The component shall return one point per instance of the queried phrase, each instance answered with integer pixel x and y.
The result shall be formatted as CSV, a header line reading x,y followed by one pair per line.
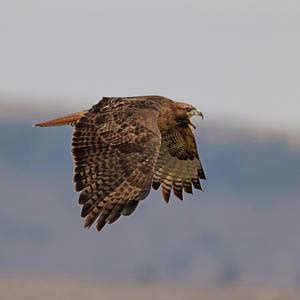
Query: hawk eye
x,y
188,109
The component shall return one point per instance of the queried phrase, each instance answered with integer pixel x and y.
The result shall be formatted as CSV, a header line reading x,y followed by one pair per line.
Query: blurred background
x,y
238,61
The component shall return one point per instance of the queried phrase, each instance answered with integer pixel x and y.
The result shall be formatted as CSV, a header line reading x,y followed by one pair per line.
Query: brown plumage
x,y
123,146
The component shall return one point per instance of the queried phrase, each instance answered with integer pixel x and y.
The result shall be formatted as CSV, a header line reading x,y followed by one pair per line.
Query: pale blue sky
x,y
231,58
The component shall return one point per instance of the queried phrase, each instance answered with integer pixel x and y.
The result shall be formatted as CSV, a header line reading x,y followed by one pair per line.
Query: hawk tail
x,y
66,120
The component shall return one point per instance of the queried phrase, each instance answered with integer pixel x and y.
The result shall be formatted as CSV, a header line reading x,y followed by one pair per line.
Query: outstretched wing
x,y
115,146
178,165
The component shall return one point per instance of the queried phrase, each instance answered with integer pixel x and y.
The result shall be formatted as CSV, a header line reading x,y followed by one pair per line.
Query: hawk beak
x,y
199,113
196,112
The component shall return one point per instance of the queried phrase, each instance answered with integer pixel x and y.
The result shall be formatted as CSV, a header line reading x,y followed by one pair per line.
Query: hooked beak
x,y
197,112
200,114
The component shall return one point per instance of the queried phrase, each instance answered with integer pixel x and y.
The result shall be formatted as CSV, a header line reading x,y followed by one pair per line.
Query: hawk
x,y
124,146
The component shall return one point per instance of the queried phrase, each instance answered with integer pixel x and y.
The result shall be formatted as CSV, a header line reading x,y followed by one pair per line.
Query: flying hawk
x,y
123,146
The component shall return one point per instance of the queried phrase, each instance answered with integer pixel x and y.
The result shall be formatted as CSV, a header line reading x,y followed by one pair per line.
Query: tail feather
x,y
66,120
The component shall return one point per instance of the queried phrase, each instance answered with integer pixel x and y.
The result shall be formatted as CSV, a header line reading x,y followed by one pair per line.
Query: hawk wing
x,y
115,146
178,165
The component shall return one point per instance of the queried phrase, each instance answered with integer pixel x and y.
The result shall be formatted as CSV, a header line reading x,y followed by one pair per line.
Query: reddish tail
x,y
66,120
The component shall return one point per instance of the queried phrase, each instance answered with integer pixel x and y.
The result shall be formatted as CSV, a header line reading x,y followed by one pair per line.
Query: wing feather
x,y
115,146
178,166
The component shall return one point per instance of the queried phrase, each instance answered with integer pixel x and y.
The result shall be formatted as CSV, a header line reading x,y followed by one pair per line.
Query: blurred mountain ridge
x,y
243,226
12,110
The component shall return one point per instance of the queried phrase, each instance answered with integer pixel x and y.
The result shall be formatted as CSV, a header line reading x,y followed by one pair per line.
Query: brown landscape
x,y
61,288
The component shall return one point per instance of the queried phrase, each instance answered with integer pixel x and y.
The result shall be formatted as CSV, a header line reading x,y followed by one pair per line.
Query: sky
x,y
235,60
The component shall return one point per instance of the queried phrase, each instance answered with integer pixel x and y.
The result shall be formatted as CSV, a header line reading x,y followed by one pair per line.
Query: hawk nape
x,y
124,146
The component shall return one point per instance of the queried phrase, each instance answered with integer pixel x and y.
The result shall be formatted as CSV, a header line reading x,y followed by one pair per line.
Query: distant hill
x,y
245,225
